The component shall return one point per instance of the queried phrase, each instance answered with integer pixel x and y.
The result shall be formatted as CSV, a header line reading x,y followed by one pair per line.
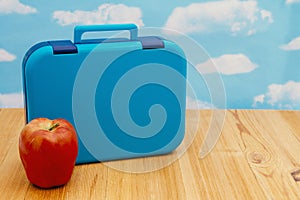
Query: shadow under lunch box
x,y
125,96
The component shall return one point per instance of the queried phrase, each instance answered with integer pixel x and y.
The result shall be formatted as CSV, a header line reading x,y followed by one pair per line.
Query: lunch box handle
x,y
79,30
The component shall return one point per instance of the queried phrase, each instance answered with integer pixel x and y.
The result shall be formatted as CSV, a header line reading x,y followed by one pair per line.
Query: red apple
x,y
48,150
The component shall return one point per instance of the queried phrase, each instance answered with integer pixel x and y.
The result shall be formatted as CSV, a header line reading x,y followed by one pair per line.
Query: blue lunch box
x,y
125,97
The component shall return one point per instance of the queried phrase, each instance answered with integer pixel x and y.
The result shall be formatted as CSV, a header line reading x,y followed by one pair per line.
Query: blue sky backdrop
x,y
254,44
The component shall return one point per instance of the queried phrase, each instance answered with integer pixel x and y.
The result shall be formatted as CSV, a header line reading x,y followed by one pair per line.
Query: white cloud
x,y
236,17
227,64
292,45
106,13
11,100
6,56
286,96
292,1
258,99
266,15
15,6
195,104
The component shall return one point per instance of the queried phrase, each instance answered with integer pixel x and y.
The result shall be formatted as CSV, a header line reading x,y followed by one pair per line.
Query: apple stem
x,y
53,126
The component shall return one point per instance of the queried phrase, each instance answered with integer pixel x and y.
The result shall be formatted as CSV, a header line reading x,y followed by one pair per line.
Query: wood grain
x,y
256,157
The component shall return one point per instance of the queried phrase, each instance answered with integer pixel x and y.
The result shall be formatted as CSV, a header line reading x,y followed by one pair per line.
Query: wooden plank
x,y
140,186
271,150
287,142
13,183
292,119
225,170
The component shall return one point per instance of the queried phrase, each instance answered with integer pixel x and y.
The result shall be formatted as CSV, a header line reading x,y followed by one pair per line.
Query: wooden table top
x,y
256,157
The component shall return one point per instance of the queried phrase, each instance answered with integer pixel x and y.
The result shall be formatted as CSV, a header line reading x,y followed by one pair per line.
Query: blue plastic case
x,y
125,97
